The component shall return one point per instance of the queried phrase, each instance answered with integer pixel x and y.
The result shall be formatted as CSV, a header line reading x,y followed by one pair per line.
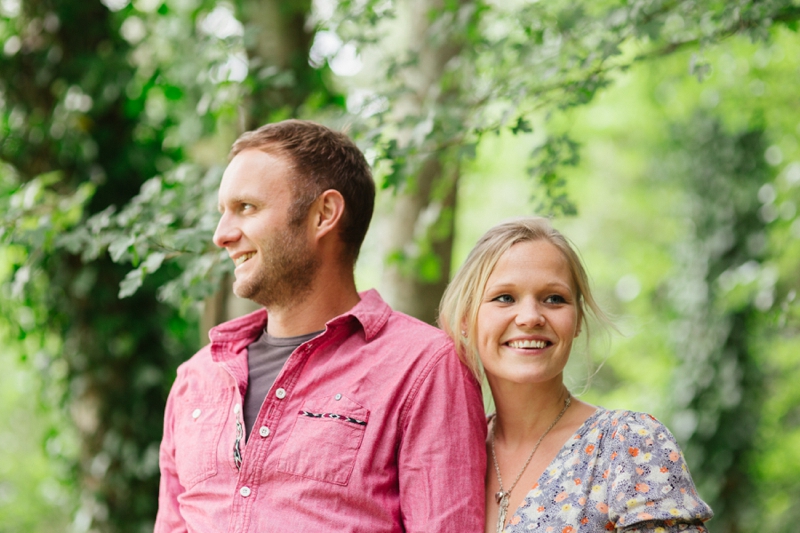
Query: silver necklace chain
x,y
502,495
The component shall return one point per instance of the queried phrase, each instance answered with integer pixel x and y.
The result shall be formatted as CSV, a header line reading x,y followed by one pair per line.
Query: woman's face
x,y
528,315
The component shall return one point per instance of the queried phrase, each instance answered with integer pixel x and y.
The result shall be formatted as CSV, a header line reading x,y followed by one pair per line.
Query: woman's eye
x,y
555,299
504,299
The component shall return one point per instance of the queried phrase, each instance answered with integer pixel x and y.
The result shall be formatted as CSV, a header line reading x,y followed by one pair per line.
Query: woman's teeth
x,y
527,344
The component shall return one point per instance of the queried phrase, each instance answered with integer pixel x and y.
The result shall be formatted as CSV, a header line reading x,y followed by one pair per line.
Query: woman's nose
x,y
530,314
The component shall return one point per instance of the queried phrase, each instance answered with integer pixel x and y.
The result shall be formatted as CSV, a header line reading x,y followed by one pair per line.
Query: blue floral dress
x,y
621,471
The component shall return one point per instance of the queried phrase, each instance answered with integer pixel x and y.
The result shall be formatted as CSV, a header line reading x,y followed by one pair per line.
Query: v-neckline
x,y
577,433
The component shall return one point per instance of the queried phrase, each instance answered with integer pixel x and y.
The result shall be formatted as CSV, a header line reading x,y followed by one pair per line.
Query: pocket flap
x,y
325,439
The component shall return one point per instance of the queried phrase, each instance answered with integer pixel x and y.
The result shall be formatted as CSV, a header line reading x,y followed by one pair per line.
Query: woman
x,y
556,463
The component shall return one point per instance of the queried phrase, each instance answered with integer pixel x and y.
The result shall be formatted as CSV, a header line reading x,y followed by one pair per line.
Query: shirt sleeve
x,y
169,519
650,485
442,453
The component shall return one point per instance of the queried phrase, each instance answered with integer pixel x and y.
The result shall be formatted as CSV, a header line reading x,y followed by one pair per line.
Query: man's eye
x,y
504,299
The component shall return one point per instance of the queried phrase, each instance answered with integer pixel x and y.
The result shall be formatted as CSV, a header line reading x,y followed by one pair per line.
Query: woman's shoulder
x,y
626,422
631,432
646,471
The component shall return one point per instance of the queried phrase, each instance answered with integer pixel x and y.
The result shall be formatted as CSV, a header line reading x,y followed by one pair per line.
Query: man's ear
x,y
327,212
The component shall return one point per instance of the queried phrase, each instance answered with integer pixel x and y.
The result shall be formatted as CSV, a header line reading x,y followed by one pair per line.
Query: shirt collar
x,y
234,335
371,312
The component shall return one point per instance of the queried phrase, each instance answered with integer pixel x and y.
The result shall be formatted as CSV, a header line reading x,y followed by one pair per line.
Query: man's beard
x,y
285,271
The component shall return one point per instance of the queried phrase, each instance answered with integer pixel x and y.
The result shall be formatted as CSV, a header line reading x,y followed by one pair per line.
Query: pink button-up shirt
x,y
373,426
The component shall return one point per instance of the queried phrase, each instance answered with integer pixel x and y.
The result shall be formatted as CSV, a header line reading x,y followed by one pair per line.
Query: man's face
x,y
275,261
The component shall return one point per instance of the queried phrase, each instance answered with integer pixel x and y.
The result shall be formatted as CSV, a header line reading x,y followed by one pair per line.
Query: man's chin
x,y
242,290
249,292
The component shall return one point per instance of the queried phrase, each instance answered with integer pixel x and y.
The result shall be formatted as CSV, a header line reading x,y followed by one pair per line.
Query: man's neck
x,y
323,303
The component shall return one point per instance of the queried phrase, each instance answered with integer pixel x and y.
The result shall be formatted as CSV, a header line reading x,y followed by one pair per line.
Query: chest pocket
x,y
198,428
325,440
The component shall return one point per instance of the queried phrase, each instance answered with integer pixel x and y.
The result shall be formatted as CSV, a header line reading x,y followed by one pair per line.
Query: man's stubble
x,y
285,273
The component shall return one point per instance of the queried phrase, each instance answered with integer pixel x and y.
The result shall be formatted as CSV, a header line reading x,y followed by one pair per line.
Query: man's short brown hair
x,y
322,159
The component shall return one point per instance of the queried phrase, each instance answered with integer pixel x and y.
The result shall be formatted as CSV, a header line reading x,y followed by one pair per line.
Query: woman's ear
x,y
328,210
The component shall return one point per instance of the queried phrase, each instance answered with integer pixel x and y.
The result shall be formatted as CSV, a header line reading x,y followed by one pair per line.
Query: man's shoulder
x,y
203,377
199,361
418,342
383,323
401,324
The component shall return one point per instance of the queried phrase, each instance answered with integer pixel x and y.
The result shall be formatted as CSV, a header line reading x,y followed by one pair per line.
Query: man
x,y
326,410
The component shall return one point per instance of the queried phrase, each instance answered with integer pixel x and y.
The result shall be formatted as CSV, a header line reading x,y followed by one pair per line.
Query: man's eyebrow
x,y
234,200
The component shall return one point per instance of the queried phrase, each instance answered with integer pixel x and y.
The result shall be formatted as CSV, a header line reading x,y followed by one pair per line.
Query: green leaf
x,y
153,262
522,125
118,248
133,280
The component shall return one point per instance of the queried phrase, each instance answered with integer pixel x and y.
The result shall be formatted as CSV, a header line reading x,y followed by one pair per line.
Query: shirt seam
x,y
417,386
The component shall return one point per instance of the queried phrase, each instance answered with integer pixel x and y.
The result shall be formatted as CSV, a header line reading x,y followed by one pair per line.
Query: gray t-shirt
x,y
265,359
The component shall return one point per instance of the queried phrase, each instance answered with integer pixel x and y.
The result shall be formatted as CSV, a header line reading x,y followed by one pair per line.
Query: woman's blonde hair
x,y
458,311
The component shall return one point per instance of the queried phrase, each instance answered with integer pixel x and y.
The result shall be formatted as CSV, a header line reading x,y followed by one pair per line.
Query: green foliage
x,y
548,159
509,61
171,219
719,385
33,497
513,60
33,214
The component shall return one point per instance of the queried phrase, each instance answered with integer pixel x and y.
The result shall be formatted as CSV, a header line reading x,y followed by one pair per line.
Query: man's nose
x,y
227,232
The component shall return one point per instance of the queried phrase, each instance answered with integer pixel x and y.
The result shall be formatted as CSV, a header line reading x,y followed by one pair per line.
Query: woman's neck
x,y
525,411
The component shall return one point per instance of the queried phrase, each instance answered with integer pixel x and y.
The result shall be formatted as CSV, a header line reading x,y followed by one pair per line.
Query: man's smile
x,y
242,258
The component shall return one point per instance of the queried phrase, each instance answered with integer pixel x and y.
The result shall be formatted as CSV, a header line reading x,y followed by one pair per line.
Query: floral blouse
x,y
621,471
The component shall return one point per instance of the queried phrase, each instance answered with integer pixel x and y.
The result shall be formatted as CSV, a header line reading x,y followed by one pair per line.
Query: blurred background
x,y
660,135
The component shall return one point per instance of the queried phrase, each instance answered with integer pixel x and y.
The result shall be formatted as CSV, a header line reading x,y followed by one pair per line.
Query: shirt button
x,y
244,491
264,431
196,413
237,408
280,393
337,397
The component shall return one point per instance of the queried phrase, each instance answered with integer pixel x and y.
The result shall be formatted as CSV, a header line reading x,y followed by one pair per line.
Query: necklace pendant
x,y
502,512
499,496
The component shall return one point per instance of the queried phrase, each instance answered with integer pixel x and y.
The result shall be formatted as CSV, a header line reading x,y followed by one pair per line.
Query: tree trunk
x,y
422,222
415,283
277,43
